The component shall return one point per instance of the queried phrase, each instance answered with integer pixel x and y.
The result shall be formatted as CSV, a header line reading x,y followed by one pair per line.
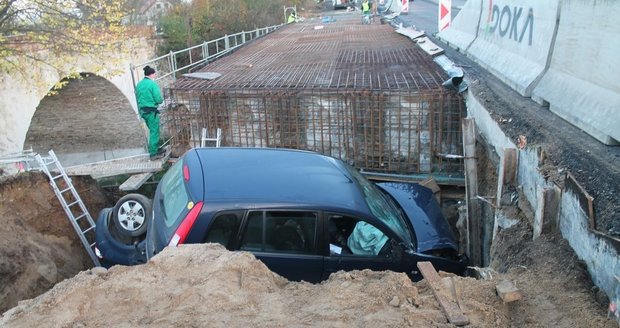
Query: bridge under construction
x,y
361,93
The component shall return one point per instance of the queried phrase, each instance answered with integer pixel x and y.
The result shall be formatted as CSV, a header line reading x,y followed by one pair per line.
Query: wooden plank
x,y
135,181
547,211
128,165
507,291
511,164
431,184
444,297
474,245
585,200
507,172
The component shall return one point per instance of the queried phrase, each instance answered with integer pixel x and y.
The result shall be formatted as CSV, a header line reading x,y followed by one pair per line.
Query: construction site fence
x,y
401,132
169,66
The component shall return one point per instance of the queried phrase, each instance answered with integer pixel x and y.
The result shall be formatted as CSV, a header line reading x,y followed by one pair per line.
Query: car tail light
x,y
183,229
185,173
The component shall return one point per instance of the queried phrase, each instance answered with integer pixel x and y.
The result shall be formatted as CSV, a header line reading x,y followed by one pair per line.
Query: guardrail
x,y
168,66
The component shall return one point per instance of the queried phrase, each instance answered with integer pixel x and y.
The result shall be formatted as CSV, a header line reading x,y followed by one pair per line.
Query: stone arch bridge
x,y
92,118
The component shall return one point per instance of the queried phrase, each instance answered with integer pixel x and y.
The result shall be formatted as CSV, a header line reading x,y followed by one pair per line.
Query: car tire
x,y
131,214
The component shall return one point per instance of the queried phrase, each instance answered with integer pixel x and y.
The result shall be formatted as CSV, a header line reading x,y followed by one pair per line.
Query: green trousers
x,y
152,122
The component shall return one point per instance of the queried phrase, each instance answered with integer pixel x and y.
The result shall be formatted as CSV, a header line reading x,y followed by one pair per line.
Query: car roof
x,y
267,176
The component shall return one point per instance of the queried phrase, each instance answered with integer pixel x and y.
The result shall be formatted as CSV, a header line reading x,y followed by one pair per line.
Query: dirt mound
x,y
556,283
205,284
38,246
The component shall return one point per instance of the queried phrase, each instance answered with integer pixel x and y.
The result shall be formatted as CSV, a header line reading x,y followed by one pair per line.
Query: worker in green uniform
x,y
149,97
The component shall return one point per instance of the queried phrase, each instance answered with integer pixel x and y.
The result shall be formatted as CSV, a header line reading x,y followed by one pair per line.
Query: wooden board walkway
x,y
128,165
135,181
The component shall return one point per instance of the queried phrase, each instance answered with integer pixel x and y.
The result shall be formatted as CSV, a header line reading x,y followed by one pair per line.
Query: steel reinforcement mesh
x,y
391,132
361,93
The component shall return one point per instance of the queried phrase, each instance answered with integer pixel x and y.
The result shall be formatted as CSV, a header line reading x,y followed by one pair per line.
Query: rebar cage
x,y
387,131
360,93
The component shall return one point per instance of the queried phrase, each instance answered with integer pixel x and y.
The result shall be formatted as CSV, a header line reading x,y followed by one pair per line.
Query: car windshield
x,y
380,205
174,196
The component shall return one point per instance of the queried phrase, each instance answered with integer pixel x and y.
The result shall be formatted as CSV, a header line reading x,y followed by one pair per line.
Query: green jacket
x,y
148,94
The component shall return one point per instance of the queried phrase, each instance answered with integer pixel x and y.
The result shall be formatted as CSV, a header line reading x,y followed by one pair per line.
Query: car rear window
x,y
173,194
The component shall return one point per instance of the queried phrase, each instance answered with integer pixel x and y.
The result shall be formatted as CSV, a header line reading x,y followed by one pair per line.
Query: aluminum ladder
x,y
71,202
204,138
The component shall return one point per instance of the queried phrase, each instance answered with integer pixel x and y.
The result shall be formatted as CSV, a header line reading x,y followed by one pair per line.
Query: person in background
x,y
149,97
365,7
292,17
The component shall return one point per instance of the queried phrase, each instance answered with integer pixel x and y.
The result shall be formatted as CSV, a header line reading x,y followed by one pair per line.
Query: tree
x,y
54,31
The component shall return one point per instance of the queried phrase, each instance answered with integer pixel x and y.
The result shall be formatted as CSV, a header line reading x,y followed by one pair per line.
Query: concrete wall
x,y
601,257
581,84
22,93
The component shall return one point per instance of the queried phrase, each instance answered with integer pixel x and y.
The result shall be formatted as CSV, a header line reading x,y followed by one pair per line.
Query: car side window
x,y
291,231
350,236
253,235
281,232
223,229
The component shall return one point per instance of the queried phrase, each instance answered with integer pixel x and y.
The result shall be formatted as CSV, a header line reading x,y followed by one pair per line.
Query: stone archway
x,y
89,120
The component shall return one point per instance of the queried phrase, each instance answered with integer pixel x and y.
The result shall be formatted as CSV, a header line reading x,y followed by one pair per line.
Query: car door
x,y
286,241
346,253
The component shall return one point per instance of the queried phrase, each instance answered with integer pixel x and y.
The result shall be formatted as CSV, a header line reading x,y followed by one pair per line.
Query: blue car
x,y
305,215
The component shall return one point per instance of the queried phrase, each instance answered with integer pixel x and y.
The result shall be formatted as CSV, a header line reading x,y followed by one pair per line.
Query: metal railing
x,y
18,161
181,61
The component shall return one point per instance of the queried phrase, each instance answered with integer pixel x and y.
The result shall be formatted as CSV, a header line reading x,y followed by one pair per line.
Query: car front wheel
x,y
131,214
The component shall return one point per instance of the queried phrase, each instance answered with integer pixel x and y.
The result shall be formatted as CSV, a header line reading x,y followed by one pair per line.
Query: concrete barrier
x,y
581,84
514,40
464,28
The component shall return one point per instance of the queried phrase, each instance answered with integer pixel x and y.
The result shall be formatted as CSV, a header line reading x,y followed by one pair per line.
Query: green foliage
x,y
54,31
210,19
